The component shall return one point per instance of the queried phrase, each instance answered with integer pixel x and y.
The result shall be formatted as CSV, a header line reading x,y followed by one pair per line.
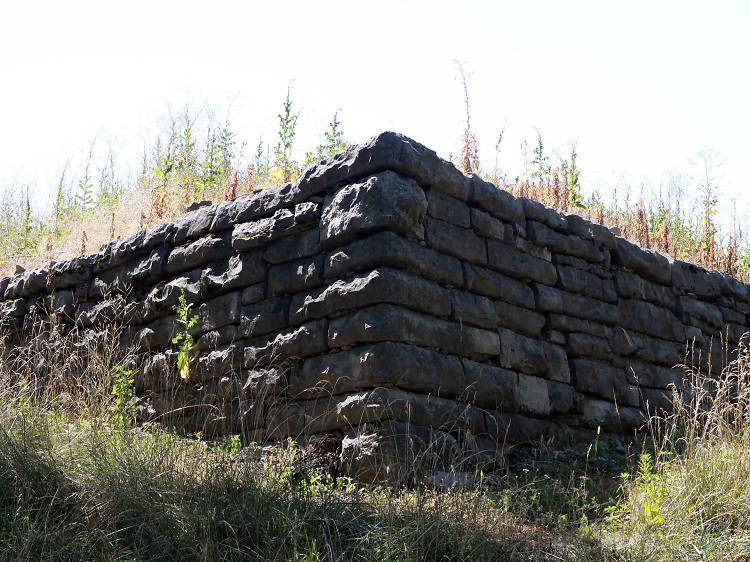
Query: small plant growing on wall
x,y
183,338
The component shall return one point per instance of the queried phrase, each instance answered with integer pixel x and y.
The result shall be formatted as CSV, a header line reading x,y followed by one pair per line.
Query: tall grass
x,y
79,482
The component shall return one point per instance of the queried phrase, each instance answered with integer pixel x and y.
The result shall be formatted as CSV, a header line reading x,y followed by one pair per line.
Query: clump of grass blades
x,y
690,497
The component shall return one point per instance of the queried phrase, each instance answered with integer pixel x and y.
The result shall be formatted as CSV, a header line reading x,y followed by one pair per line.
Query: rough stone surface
x,y
382,290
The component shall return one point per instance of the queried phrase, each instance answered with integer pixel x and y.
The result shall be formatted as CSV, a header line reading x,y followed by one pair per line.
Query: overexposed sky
x,y
640,86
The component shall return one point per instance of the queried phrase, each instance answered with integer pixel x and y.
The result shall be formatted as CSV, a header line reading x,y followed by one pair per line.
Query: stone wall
x,y
385,289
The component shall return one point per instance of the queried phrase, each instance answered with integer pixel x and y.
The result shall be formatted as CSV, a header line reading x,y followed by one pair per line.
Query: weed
x,y
123,410
183,338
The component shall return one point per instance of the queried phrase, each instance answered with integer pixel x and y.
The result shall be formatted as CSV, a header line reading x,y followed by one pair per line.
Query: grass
x,y
80,480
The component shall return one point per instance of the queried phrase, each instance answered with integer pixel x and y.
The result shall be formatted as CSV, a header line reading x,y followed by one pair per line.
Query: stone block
x,y
301,341
588,250
447,208
495,201
294,247
295,276
611,418
649,319
385,322
495,285
487,226
198,253
240,271
603,380
693,309
587,284
518,319
384,201
560,302
383,285
389,249
532,394
217,312
250,235
264,317
513,262
468,308
647,263
585,345
533,356
459,242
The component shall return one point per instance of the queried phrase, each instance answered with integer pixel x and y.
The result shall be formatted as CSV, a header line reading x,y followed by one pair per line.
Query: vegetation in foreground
x,y
79,480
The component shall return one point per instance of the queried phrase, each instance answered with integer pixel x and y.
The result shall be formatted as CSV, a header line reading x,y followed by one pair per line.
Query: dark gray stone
x,y
602,380
198,253
570,244
250,235
293,247
534,210
560,397
384,285
238,272
648,263
295,276
533,356
513,262
554,300
518,319
306,213
610,417
588,284
385,322
495,201
388,249
447,208
456,241
193,225
648,319
488,226
468,308
691,278
253,293
385,201
532,395
497,286
692,309
302,341
264,317
217,312
585,345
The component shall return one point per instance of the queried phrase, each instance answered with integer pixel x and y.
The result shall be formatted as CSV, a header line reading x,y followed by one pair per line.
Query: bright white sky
x,y
641,86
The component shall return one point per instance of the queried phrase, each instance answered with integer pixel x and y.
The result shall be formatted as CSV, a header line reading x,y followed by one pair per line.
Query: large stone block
x,y
611,417
447,208
383,285
648,263
456,241
389,249
518,319
588,250
495,285
513,262
240,271
384,201
385,322
264,317
560,302
198,253
649,319
295,276
587,284
293,247
250,235
299,342
533,356
603,380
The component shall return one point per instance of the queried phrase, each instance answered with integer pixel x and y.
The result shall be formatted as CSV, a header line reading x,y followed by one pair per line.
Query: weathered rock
x,y
264,317
603,380
691,278
447,208
648,263
566,243
250,235
456,241
383,285
382,201
385,322
588,284
497,286
533,356
239,272
388,249
302,341
612,418
200,252
518,319
293,247
295,276
649,319
532,394
560,302
495,201
513,262
488,226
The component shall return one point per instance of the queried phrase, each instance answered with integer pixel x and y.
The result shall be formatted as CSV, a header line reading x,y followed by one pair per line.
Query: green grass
x,y
78,480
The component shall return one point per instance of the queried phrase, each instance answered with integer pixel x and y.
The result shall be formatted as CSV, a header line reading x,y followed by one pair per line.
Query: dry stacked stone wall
x,y
384,293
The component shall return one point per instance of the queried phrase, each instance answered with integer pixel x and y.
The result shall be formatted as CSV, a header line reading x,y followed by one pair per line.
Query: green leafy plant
x,y
123,410
183,338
